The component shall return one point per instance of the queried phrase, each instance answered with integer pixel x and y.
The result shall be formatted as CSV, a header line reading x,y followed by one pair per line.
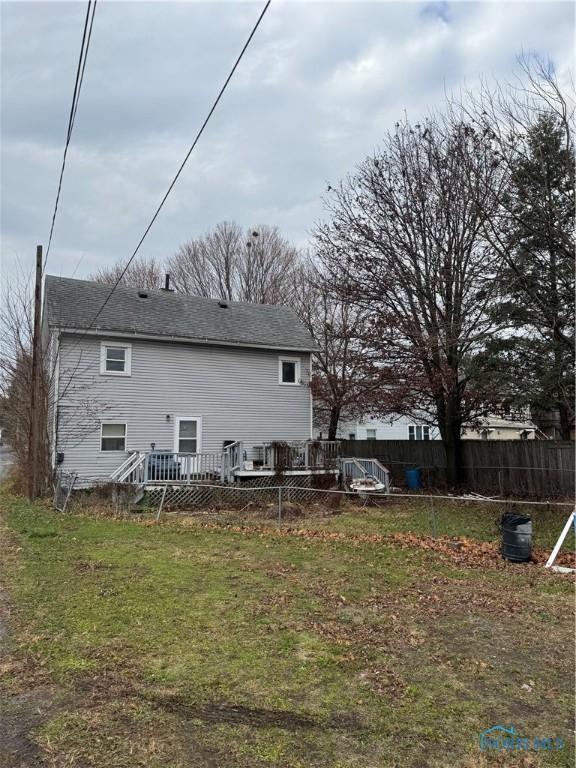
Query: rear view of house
x,y
142,375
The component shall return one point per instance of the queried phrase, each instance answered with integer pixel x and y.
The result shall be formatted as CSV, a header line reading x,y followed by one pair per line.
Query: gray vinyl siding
x,y
234,390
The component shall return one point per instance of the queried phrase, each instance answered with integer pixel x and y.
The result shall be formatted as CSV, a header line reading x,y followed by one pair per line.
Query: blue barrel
x,y
414,479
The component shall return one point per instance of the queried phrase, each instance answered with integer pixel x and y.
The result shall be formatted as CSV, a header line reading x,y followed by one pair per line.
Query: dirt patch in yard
x,y
21,712
21,716
238,714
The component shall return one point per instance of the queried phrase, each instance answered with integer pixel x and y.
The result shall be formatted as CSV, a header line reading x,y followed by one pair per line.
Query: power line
x,y
86,35
181,168
84,63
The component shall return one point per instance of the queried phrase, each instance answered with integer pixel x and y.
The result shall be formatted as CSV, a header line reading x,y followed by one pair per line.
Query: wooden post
x,y
35,413
161,504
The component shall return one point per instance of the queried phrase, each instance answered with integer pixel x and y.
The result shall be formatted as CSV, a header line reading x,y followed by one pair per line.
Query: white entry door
x,y
188,439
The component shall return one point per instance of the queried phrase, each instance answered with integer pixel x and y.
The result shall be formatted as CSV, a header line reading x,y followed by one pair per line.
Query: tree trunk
x,y
454,469
451,432
565,421
334,419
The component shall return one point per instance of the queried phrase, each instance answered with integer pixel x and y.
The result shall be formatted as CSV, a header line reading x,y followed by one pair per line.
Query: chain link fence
x,y
63,487
472,517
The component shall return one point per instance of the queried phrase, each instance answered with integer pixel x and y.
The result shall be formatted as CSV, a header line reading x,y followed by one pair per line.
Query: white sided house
x,y
155,385
395,427
490,427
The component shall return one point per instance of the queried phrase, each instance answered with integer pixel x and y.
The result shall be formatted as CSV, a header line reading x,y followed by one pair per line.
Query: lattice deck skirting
x,y
265,491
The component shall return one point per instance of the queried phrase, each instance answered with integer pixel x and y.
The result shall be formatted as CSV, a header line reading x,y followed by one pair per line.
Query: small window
x,y
115,359
188,436
418,433
370,434
113,437
351,436
289,370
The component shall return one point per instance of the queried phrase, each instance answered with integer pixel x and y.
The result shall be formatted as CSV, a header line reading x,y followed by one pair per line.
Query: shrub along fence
x,y
522,468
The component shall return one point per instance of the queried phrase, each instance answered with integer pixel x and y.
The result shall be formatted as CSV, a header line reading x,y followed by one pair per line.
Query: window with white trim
x,y
289,371
371,434
187,435
113,437
418,432
115,359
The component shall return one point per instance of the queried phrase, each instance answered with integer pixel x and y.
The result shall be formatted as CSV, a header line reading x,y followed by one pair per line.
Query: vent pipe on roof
x,y
167,284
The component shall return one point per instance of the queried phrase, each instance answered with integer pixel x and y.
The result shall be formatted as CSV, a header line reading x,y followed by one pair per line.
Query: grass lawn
x,y
186,646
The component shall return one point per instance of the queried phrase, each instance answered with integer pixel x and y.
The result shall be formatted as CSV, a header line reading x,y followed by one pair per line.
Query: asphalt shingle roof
x,y
74,303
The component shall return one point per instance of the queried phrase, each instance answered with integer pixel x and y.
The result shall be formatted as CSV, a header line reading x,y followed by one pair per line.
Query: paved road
x,y
6,459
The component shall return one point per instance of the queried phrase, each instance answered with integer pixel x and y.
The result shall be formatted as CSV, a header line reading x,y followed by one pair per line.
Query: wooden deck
x,y
304,457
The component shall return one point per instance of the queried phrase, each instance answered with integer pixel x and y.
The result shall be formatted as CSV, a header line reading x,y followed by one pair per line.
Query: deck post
x,y
146,462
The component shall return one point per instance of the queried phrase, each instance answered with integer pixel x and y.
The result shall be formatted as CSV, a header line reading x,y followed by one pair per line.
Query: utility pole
x,y
35,411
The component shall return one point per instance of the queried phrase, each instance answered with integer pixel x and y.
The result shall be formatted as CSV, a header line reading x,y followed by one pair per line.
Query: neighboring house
x,y
159,371
402,428
500,428
393,428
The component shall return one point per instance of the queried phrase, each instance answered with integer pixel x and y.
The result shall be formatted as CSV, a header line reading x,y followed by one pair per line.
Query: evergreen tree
x,y
536,353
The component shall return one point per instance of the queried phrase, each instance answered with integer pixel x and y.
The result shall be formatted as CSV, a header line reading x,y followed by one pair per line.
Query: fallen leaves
x,y
460,550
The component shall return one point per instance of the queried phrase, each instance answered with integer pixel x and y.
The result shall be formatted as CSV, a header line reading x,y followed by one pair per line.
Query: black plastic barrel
x,y
516,538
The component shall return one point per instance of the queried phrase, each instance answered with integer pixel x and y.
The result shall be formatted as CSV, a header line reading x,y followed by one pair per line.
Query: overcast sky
x,y
318,88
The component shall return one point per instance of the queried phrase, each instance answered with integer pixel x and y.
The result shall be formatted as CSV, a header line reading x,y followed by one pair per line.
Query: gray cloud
x,y
316,92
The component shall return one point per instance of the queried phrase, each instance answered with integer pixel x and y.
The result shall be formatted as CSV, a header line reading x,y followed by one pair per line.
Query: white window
x,y
418,433
370,434
113,437
115,359
289,371
187,435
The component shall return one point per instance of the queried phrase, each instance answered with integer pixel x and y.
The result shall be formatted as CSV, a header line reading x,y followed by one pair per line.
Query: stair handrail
x,y
127,461
138,460
375,470
231,458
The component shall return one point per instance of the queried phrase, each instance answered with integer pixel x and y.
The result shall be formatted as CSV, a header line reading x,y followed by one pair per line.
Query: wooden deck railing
x,y
142,467
305,454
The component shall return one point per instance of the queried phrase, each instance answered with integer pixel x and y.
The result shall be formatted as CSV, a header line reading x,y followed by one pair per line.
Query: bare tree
x,y
344,379
142,273
405,243
16,330
255,265
208,265
76,416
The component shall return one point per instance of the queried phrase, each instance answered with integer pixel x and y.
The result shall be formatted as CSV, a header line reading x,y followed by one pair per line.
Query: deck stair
x,y
354,469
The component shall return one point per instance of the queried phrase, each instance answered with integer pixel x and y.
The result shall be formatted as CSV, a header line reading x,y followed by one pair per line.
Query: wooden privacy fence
x,y
529,468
